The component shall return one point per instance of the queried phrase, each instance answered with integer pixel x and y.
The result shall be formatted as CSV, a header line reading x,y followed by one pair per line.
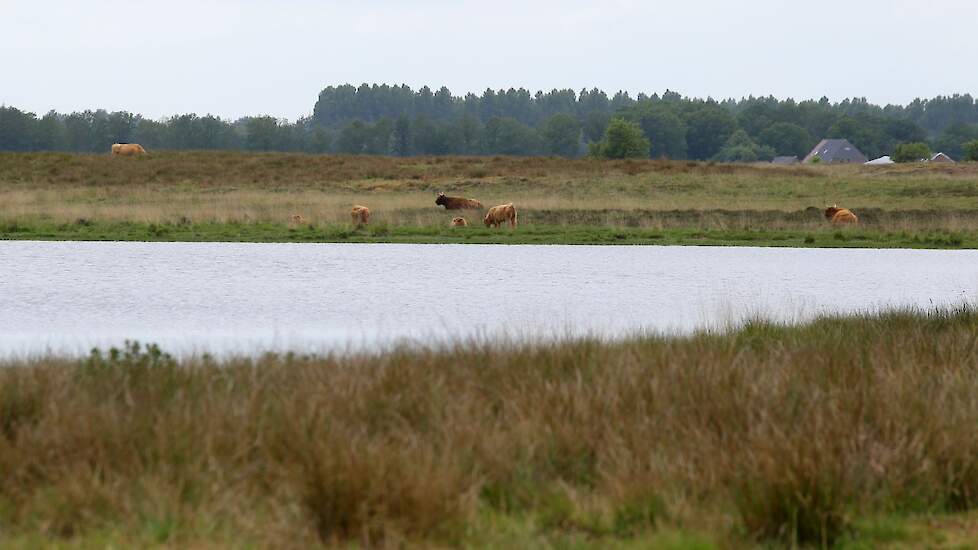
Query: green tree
x,y
379,137
466,133
622,139
151,134
401,137
78,131
595,124
952,140
261,133
561,135
709,126
863,131
353,138
508,136
787,139
664,128
16,129
741,148
51,133
970,150
120,126
430,138
911,152
320,140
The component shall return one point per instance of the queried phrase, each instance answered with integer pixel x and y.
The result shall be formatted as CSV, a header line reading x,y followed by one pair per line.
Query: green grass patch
x,y
185,231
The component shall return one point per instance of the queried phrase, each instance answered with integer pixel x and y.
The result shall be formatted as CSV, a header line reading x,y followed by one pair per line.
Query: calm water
x,y
218,297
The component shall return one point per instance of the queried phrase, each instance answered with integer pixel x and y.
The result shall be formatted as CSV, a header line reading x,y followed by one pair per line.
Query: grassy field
x,y
242,196
848,433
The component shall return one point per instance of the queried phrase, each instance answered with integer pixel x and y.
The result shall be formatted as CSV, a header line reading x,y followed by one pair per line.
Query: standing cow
x,y
500,214
360,215
457,203
127,149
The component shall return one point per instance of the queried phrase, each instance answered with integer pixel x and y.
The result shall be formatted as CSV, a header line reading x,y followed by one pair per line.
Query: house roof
x,y
941,157
836,150
882,160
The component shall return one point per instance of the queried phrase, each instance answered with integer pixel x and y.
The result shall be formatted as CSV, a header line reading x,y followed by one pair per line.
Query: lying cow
x,y
457,203
500,214
127,149
459,222
297,219
360,215
840,216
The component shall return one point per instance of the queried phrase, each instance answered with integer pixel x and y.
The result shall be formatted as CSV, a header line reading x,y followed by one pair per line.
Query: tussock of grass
x,y
776,433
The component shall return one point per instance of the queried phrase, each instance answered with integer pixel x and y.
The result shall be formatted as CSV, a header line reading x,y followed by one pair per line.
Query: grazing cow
x,y
840,216
457,203
500,214
360,215
459,222
127,149
297,219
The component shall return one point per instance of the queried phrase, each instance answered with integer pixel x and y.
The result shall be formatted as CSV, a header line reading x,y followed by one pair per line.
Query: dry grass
x,y
221,186
768,433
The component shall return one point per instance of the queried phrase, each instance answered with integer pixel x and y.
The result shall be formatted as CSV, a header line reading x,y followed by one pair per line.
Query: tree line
x,y
397,120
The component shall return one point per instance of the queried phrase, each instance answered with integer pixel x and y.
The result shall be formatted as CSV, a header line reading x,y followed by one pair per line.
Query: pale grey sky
x,y
232,59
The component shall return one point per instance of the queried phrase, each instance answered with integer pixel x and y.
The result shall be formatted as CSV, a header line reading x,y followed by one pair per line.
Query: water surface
x,y
66,297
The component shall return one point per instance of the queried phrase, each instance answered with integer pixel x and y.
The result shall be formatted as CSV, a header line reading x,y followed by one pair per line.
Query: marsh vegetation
x,y
810,434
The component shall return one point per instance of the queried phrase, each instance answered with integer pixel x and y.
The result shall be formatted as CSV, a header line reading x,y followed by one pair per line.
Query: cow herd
x,y
496,217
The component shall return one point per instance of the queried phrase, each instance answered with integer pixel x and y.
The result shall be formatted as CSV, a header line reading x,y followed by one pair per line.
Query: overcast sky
x,y
241,58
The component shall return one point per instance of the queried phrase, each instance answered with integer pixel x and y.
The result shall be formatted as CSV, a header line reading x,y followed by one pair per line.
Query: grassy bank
x,y
567,201
857,433
816,236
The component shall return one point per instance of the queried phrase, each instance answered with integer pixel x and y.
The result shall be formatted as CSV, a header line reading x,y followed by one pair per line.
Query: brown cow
x,y
459,222
457,203
127,149
360,215
500,214
840,216
297,219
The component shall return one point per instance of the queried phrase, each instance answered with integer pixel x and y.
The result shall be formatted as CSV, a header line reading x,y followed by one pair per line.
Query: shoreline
x,y
259,232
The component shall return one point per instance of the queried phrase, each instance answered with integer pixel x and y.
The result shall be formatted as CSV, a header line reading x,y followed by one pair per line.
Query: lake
x,y
66,297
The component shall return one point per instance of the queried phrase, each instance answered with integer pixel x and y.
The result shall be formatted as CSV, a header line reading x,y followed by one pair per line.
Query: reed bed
x,y
768,434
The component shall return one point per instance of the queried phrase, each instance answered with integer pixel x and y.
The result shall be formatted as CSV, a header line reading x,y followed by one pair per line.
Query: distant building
x,y
836,151
880,161
785,160
941,157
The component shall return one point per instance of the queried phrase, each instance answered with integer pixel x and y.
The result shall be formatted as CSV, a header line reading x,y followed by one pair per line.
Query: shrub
x,y
911,152
622,139
971,150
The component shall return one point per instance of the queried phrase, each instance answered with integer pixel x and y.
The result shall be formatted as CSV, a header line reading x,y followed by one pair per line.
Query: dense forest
x,y
397,120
